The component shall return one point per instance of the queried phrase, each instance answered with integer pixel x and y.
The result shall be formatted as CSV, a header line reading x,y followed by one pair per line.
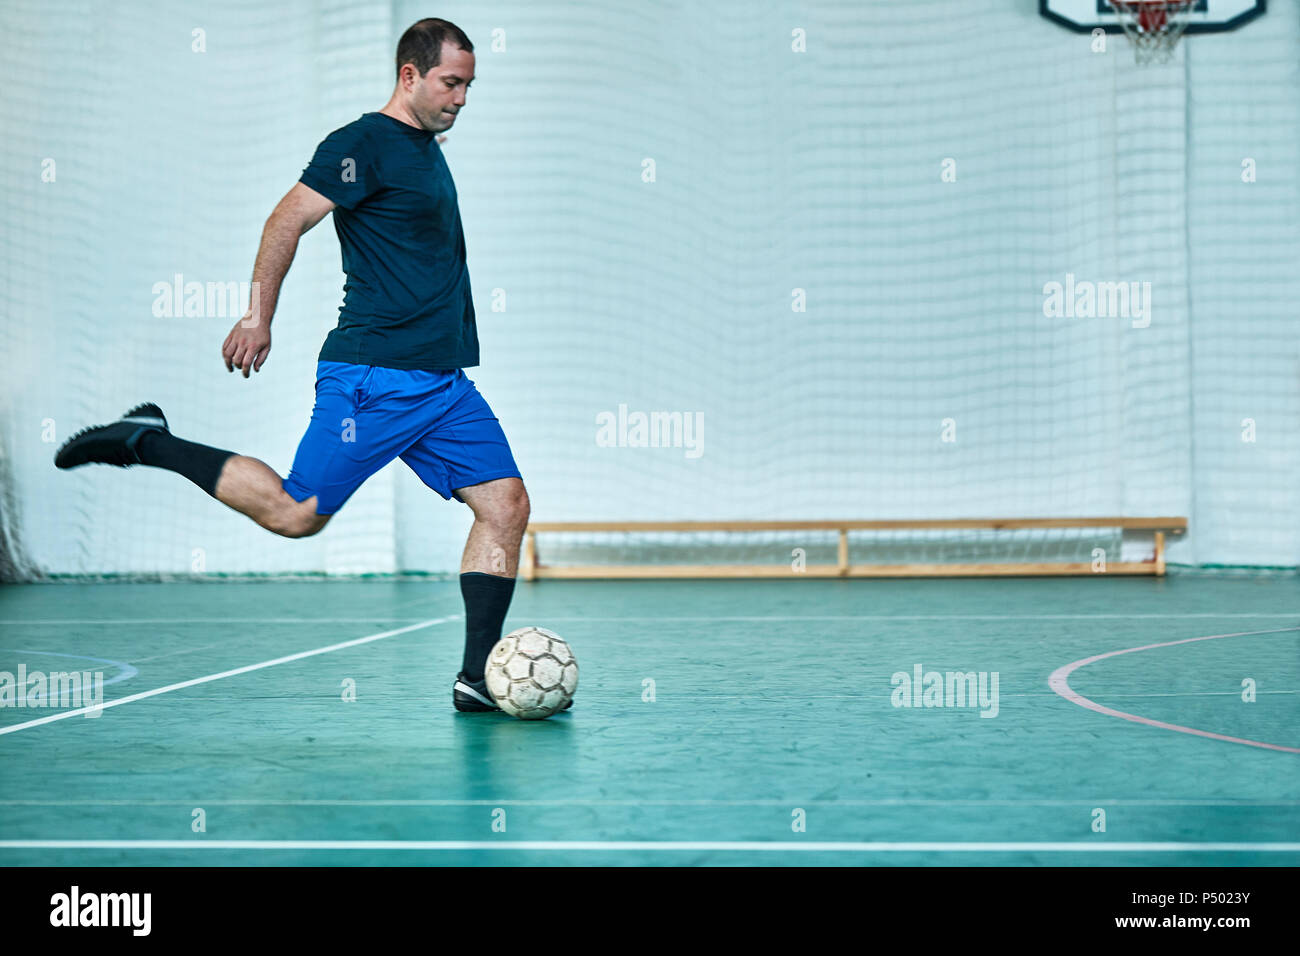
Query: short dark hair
x,y
421,44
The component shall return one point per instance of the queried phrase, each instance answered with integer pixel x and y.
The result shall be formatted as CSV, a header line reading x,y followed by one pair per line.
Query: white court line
x,y
758,617
206,620
883,802
938,617
1183,693
607,846
63,715
1059,681
876,697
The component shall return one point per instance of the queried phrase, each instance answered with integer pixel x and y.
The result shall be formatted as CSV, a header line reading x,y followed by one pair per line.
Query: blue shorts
x,y
367,415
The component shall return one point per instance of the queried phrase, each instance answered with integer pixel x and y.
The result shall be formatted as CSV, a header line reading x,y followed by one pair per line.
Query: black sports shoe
x,y
472,696
112,444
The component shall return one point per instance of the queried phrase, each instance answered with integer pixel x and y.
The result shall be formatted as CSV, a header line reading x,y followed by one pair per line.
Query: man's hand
x,y
247,345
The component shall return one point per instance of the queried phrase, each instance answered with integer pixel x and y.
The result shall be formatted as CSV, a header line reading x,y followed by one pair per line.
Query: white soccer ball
x,y
532,673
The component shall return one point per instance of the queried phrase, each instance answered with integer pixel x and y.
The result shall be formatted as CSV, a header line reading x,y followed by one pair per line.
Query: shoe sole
x,y
467,700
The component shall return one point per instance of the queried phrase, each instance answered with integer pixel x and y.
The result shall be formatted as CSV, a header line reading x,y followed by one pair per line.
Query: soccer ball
x,y
531,673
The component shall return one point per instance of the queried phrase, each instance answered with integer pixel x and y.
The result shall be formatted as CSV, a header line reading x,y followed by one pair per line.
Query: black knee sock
x,y
201,464
487,598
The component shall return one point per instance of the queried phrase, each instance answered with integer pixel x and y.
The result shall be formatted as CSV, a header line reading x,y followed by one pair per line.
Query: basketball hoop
x,y
1154,26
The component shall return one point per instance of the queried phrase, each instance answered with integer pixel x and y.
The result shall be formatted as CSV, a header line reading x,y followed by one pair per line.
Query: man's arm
x,y
249,342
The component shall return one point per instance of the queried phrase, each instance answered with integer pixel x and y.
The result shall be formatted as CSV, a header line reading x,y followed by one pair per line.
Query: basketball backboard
x,y
1206,16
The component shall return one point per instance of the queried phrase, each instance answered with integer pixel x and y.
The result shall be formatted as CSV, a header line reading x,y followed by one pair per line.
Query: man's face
x,y
439,95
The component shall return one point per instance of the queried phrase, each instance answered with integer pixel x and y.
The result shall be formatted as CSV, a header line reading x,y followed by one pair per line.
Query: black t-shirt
x,y
406,301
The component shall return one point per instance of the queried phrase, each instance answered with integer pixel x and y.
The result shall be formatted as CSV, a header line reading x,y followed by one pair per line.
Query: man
x,y
390,380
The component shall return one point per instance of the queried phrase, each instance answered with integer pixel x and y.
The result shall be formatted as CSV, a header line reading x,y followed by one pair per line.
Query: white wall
x,y
775,170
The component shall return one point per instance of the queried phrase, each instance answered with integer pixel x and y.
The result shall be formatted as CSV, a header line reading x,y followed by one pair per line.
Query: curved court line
x,y
1059,682
787,846
63,715
127,671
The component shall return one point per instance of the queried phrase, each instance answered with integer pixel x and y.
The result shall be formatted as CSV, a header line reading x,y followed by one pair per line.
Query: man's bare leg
x,y
501,510
142,437
252,488
487,579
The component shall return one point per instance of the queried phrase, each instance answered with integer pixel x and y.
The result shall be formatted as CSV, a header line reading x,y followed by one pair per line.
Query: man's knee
x,y
299,519
517,509
508,509
522,507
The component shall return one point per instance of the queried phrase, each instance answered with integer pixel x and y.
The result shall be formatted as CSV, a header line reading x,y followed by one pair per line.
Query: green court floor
x,y
773,703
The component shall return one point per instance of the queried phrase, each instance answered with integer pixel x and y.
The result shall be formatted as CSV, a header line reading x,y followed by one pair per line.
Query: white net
x,y
878,256
1153,26
561,549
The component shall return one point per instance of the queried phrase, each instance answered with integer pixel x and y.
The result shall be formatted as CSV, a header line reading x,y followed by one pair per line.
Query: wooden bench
x,y
531,567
